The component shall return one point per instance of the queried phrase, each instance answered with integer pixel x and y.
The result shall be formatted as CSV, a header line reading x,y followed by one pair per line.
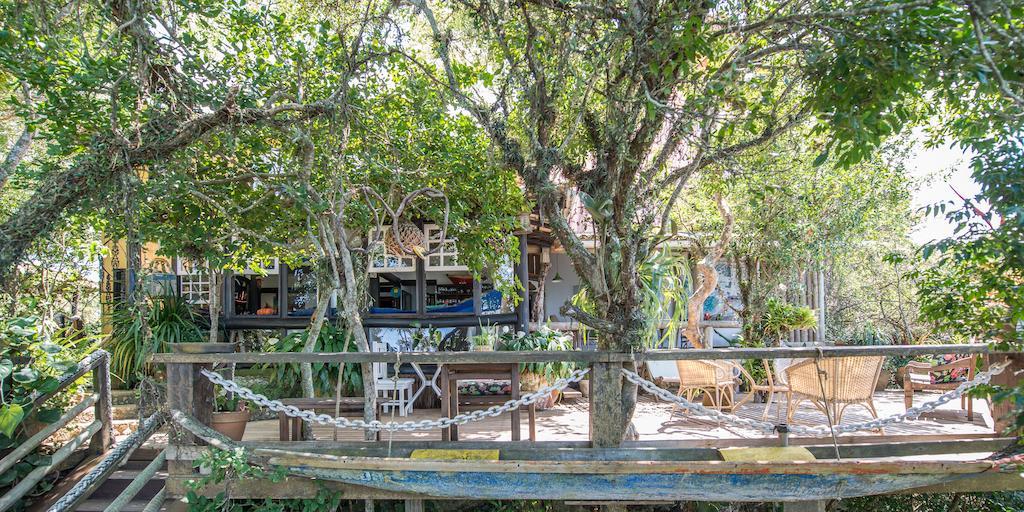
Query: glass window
x,y
301,291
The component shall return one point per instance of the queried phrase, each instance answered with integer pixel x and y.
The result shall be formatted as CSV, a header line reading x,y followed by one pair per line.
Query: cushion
x,y
951,375
485,387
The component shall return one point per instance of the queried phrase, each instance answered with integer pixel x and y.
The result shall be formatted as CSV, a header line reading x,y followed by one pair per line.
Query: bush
x,y
287,378
32,361
169,319
542,339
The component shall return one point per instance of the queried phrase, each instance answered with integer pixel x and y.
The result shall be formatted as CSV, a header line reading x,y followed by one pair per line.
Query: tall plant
x,y
133,338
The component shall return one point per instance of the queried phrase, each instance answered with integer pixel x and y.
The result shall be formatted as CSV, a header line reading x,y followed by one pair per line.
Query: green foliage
x,y
134,337
664,284
754,367
31,364
543,339
228,466
286,378
977,502
780,318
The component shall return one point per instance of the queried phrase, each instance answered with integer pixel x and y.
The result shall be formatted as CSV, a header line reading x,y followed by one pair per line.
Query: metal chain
x,y
700,409
325,419
910,414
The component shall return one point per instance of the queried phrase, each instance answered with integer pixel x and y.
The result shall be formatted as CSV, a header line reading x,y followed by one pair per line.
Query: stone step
x,y
125,411
124,396
570,394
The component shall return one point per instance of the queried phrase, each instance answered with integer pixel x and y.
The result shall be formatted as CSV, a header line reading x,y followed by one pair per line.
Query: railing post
x,y
190,392
606,415
1008,379
104,410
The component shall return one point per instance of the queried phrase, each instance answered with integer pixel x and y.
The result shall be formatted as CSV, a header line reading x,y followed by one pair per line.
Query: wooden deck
x,y
568,422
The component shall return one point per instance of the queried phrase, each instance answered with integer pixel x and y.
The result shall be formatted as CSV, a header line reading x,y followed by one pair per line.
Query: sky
x,y
940,168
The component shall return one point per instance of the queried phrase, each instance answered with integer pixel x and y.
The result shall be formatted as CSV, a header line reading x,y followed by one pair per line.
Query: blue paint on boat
x,y
649,486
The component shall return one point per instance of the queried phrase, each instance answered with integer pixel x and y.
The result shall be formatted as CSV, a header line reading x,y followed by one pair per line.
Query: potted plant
x,y
780,318
485,341
534,376
231,415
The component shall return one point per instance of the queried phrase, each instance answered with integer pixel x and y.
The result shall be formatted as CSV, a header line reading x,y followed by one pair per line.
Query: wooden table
x,y
452,373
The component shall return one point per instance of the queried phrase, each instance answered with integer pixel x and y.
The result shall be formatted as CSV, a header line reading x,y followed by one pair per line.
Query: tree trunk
x,y
537,306
707,281
316,324
216,285
350,309
15,155
708,276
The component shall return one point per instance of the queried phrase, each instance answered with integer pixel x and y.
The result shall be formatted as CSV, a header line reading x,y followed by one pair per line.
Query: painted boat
x,y
627,480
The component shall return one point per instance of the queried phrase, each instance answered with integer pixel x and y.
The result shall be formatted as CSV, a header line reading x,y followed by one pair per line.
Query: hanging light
x,y
557,278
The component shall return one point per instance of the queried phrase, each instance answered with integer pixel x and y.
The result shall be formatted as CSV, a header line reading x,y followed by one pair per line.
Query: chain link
x,y
325,419
576,376
764,426
700,409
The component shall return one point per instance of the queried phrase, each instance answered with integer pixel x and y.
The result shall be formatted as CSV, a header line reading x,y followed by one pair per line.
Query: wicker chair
x,y
846,380
771,387
917,376
710,377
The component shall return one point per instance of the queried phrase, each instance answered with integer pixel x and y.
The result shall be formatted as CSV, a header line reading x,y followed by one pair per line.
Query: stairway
x,y
120,479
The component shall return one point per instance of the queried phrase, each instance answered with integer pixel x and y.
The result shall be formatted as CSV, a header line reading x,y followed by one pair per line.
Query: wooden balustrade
x,y
192,394
97,434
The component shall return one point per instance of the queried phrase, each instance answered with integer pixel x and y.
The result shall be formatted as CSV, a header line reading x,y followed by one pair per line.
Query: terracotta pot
x,y
883,380
231,424
203,348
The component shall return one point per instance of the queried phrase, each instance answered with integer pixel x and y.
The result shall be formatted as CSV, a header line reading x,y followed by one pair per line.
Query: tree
x,y
151,80
626,102
792,215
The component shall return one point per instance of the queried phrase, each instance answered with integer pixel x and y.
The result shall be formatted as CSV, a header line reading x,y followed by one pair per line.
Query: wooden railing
x,y
97,433
190,393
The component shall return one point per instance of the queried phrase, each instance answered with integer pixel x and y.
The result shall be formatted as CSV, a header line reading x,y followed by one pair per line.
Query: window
x,y
195,282
195,289
386,261
447,255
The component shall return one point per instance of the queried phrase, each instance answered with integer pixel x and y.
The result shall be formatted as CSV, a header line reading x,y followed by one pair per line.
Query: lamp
x,y
557,278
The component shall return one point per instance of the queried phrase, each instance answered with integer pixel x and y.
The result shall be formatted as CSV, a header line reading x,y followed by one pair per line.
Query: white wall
x,y
557,294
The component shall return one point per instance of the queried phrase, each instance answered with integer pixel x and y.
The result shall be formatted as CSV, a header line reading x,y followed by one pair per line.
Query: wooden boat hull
x,y
628,480
647,487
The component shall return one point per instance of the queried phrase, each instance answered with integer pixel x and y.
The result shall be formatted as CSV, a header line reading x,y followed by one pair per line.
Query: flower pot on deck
x,y
231,424
884,377
530,382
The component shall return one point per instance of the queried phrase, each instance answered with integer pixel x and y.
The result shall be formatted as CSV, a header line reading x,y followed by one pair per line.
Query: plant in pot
x,y
781,318
486,340
231,415
534,376
137,332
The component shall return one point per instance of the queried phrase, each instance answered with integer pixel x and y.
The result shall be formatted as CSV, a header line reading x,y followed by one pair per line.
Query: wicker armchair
x,y
847,381
920,376
710,377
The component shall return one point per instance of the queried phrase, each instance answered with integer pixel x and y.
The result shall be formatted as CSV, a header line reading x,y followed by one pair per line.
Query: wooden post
x,y
190,392
524,277
104,409
606,417
1001,411
804,506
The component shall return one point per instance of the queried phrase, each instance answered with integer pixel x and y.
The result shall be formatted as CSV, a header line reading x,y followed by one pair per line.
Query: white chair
x,y
397,390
